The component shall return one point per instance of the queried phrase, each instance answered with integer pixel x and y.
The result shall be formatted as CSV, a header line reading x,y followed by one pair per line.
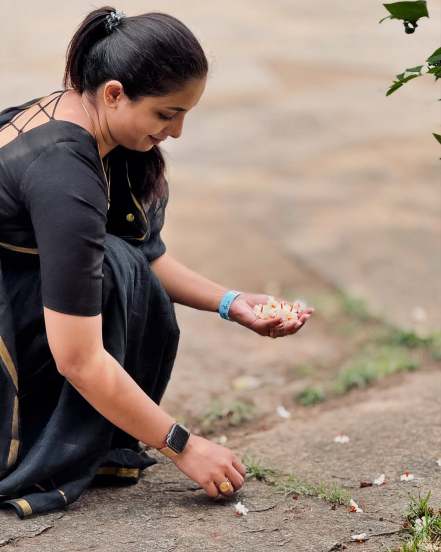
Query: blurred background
x,y
294,135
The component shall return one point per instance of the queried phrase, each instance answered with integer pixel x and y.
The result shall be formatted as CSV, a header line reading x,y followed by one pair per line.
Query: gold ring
x,y
226,486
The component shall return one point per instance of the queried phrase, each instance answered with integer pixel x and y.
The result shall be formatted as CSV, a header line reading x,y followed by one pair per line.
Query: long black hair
x,y
153,54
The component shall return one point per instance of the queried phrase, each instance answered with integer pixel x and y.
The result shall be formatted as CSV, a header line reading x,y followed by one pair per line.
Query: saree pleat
x,y
53,443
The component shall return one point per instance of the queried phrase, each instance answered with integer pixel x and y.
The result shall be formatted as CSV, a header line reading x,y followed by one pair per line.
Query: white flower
x,y
439,462
282,412
380,480
420,524
341,438
354,507
301,305
359,538
407,476
241,510
273,308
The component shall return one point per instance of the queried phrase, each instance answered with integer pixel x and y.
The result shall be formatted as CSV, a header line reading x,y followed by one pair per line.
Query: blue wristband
x,y
227,299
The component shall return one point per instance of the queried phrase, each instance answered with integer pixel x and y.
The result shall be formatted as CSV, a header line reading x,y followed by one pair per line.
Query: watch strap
x,y
174,444
167,451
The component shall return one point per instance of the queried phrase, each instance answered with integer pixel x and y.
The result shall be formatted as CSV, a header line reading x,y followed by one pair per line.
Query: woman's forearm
x,y
185,286
105,384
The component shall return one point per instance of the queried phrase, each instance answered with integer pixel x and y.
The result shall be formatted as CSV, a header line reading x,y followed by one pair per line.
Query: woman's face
x,y
142,123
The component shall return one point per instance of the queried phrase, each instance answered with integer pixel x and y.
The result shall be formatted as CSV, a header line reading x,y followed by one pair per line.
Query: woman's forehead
x,y
182,100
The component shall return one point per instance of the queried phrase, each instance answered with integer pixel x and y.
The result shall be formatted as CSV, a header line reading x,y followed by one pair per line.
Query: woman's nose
x,y
176,128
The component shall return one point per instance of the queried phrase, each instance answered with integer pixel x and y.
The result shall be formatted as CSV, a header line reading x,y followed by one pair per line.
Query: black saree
x,y
53,443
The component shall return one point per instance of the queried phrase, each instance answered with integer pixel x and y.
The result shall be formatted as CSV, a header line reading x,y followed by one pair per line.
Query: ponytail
x,y
152,54
92,30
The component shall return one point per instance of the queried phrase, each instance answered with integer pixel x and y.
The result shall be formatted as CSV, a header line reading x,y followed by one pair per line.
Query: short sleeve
x,y
67,202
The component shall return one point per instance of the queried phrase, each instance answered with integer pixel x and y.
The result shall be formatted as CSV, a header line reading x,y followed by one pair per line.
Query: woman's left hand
x,y
241,311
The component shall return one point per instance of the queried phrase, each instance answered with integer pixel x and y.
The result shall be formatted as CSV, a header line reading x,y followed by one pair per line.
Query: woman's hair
x,y
153,54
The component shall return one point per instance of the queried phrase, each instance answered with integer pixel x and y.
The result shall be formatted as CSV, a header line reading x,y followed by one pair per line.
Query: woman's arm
x,y
185,286
77,347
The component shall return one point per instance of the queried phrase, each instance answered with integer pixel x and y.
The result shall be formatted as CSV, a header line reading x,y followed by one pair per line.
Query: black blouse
x,y
54,203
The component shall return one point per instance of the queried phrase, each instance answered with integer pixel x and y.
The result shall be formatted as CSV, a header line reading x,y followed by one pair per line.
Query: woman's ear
x,y
113,93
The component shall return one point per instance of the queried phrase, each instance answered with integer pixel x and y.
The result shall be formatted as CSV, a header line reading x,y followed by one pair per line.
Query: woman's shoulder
x,y
34,129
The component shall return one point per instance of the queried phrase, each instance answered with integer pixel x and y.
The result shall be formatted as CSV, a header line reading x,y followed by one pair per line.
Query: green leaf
x,y
394,87
435,57
397,84
437,137
416,69
436,71
407,11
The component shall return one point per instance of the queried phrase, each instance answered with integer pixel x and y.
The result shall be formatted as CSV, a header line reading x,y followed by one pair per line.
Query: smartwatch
x,y
175,440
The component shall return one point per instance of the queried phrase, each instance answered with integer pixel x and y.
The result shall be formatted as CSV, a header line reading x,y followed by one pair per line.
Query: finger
x,y
262,326
220,480
236,478
241,468
293,327
211,489
305,315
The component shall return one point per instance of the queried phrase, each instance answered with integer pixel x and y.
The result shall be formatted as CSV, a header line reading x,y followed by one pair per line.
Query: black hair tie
x,y
113,20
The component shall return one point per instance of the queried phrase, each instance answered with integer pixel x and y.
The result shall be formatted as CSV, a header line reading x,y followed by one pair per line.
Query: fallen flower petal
x,y
359,538
407,476
380,480
282,412
420,524
354,507
241,510
341,438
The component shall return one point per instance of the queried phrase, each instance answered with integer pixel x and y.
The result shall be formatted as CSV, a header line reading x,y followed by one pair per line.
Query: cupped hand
x,y
241,311
209,464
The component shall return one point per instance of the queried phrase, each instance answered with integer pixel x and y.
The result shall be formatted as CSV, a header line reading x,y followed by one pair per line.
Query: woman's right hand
x,y
208,464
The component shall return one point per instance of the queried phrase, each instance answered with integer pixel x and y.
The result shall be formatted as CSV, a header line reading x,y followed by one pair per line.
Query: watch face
x,y
178,437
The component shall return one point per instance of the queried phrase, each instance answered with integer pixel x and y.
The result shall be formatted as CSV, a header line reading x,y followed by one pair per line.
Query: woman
x,y
88,333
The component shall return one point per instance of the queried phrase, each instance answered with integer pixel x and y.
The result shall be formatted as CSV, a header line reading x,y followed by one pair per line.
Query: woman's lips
x,y
155,140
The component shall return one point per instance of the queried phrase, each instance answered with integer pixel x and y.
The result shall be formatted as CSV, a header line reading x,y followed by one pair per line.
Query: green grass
x,y
353,306
411,340
304,369
232,414
333,494
372,364
423,526
289,484
256,470
310,396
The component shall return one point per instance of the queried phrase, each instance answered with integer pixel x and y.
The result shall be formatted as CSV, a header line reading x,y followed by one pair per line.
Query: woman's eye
x,y
164,117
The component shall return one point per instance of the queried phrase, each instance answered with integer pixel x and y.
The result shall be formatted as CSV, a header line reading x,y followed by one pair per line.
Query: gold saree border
x,y
25,507
12,371
119,472
19,248
63,494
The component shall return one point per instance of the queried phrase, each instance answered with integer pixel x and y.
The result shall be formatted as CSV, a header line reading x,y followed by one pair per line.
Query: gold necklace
x,y
99,153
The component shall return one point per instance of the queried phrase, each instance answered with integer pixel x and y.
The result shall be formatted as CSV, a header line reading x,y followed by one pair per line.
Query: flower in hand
x,y
247,310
